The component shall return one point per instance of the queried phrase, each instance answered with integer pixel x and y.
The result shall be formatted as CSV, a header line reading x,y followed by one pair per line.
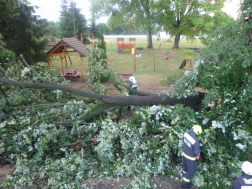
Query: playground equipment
x,y
91,34
184,63
118,41
61,49
132,39
125,76
191,53
144,66
174,46
122,46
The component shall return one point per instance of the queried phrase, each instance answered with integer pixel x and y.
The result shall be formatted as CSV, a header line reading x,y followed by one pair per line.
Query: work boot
x,y
189,185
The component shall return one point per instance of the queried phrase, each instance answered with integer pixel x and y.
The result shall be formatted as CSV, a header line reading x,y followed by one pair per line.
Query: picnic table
x,y
71,74
125,76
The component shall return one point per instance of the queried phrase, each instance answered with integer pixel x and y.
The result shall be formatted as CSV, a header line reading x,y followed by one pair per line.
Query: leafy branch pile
x,y
44,134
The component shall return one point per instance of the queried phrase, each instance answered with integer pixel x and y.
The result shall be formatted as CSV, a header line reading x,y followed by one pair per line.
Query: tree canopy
x,y
58,136
53,29
190,18
72,22
94,28
138,12
22,31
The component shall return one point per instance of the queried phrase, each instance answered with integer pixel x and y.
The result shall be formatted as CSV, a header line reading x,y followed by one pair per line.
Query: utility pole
x,y
73,4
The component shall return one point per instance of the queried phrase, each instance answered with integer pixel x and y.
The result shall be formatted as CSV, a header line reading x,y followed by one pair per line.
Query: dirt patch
x,y
4,171
161,182
149,87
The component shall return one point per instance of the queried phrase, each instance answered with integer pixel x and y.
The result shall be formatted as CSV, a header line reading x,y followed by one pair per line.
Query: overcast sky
x,y
49,9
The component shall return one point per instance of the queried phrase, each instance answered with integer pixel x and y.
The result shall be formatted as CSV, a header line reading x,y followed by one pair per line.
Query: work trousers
x,y
189,169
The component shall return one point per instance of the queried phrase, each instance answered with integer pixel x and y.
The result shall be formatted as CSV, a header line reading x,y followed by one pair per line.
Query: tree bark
x,y
146,7
149,40
177,39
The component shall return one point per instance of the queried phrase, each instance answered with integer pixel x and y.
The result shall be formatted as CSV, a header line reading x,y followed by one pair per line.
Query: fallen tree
x,y
58,136
192,101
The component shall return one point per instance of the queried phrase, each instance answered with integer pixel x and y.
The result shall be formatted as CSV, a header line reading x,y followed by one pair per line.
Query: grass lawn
x,y
124,63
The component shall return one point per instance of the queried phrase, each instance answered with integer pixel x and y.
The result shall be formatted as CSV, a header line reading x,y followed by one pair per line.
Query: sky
x,y
49,9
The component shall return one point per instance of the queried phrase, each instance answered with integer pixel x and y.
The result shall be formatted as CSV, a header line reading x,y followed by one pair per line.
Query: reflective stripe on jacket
x,y
133,86
243,182
191,147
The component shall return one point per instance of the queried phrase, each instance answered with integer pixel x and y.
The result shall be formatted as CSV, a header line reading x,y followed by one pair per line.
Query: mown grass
x,y
124,63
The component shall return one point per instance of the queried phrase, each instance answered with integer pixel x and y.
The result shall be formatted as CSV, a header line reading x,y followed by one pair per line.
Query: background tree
x,y
23,32
5,55
246,7
103,28
125,26
72,22
190,18
53,29
140,11
94,28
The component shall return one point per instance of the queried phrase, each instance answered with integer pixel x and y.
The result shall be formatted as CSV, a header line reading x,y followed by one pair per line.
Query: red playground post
x,y
174,47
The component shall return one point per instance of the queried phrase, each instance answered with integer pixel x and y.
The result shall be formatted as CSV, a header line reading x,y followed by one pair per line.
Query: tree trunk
x,y
112,101
177,39
149,40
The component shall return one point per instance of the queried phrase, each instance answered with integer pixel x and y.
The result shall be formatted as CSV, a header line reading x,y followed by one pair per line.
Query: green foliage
x,y
102,45
70,17
182,17
53,29
225,71
5,55
99,70
172,79
190,52
23,32
130,14
246,7
120,24
94,28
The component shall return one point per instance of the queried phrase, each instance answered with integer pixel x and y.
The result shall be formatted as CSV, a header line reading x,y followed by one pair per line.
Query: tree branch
x,y
52,86
192,101
135,91
96,111
72,144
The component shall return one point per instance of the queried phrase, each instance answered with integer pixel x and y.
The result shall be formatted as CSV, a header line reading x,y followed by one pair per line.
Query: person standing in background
x,y
133,85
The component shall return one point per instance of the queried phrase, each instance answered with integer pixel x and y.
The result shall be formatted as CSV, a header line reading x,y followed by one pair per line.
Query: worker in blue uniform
x,y
191,153
133,85
245,181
